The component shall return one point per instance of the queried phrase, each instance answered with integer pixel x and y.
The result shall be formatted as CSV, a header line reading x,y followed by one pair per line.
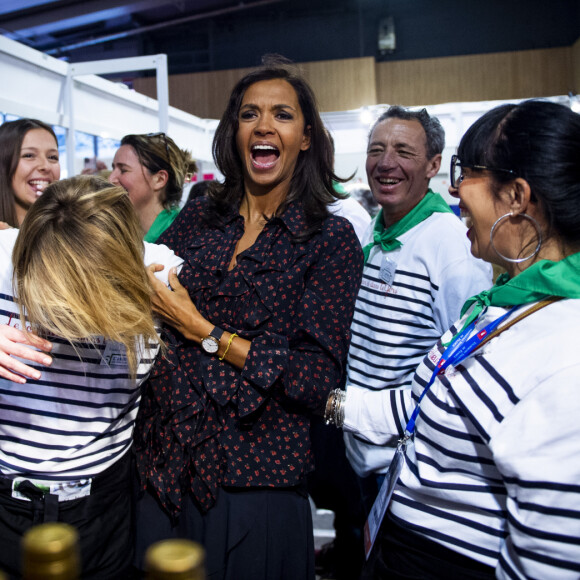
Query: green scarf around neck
x,y
161,223
387,237
541,280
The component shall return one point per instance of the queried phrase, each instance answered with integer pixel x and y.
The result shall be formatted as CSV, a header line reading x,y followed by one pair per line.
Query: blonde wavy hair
x,y
78,266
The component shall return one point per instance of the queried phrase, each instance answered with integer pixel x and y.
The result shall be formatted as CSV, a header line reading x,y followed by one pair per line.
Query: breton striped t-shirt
x,y
494,472
407,299
77,419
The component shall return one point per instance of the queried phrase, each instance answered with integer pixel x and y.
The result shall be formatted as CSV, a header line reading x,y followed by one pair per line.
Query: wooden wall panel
x,y
202,94
339,85
543,73
509,75
576,66
352,83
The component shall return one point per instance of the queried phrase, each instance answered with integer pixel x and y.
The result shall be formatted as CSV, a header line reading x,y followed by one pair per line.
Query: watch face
x,y
210,344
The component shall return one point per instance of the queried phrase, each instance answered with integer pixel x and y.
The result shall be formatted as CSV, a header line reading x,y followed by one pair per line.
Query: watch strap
x,y
217,333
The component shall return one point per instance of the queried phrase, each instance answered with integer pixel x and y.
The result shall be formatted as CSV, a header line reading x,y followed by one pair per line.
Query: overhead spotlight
x,y
366,116
574,102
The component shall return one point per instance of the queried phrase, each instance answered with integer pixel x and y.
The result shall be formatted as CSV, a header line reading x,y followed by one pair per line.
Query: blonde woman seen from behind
x,y
65,440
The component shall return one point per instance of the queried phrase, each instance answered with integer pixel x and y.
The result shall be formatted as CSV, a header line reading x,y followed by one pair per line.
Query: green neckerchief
x,y
161,223
541,280
387,238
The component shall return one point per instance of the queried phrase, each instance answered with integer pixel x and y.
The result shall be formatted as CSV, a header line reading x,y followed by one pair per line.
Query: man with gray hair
x,y
418,273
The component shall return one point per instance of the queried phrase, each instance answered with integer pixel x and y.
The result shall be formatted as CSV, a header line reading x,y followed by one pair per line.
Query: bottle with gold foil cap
x,y
50,552
177,559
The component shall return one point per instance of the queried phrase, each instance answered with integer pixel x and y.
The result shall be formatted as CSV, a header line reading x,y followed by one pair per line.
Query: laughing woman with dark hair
x,y
489,486
259,329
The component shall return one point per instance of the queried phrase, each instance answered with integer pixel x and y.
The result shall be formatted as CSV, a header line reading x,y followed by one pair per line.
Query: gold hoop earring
x,y
516,260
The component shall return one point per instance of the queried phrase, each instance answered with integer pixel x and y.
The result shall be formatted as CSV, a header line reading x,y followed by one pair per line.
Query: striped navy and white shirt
x,y
77,419
494,473
401,313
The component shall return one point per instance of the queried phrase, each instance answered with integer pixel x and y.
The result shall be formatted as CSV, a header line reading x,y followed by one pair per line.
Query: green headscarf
x,y
541,280
387,237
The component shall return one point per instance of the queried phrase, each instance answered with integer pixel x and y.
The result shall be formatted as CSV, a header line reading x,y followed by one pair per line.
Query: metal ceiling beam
x,y
53,20
158,26
9,7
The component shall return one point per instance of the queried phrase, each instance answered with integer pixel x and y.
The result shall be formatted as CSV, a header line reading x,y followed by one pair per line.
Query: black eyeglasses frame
x,y
455,161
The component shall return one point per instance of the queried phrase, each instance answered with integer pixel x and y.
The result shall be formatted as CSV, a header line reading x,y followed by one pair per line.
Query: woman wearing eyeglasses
x,y
152,169
490,470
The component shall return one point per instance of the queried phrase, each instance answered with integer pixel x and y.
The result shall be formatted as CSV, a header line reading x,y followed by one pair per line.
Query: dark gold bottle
x,y
50,552
175,560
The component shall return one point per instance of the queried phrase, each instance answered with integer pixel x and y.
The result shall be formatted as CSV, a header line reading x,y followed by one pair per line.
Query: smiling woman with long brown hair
x,y
29,162
258,328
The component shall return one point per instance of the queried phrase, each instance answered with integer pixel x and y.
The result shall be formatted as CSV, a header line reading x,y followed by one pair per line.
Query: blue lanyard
x,y
462,345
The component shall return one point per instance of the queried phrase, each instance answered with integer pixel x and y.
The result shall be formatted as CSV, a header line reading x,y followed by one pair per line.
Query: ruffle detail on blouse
x,y
267,360
178,450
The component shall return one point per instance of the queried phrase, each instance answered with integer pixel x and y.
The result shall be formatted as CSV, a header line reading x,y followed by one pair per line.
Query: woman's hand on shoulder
x,y
176,307
15,343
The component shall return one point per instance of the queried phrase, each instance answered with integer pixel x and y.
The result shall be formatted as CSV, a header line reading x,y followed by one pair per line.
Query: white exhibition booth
x,y
70,96
74,98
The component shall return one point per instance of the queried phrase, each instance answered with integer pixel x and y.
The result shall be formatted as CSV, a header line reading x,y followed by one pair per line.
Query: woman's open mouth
x,y
264,156
39,185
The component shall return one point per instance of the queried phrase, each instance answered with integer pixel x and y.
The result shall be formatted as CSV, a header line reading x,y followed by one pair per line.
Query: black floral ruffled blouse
x,y
203,423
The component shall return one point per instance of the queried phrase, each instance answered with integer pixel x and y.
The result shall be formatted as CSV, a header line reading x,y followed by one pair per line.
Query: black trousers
x,y
399,554
249,534
102,519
